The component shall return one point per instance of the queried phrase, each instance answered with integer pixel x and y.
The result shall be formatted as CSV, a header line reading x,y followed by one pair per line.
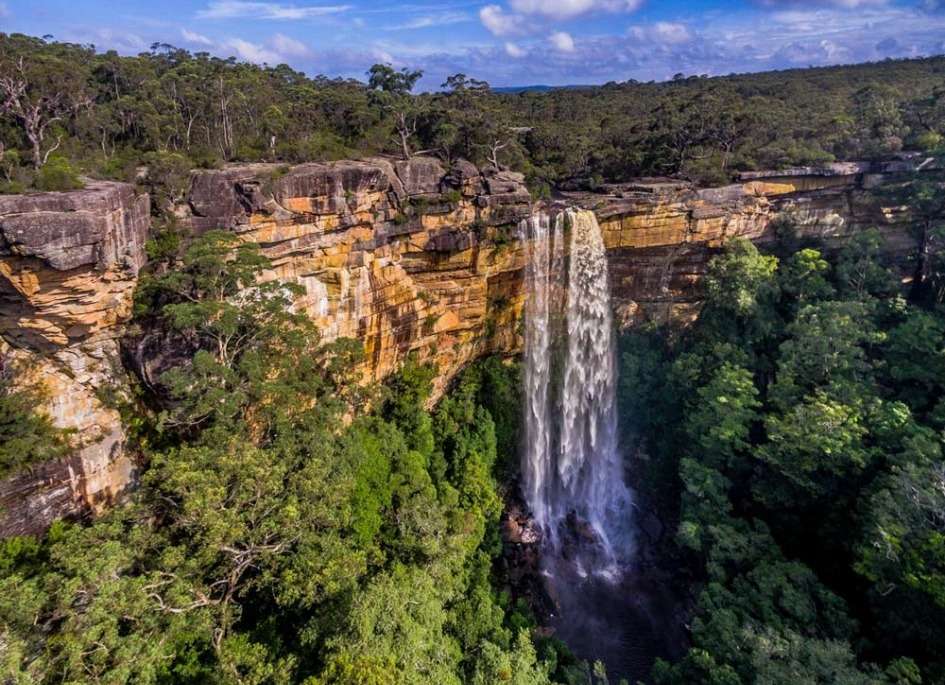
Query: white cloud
x,y
442,19
663,33
852,4
842,4
514,51
289,47
277,49
567,9
195,38
803,53
670,33
498,22
528,16
237,9
122,41
251,52
563,42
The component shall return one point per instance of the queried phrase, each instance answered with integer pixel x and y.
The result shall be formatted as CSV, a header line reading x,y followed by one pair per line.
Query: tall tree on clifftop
x,y
391,92
40,93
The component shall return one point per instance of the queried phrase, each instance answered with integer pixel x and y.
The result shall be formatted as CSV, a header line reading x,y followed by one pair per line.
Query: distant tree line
x,y
67,109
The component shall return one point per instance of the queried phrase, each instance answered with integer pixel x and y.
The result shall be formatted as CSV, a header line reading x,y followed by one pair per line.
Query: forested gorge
x,y
291,526
68,109
294,524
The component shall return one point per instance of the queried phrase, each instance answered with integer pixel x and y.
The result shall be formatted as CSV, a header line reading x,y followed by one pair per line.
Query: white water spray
x,y
572,472
541,277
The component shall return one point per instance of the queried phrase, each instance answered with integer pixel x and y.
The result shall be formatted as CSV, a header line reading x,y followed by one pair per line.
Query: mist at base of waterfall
x,y
619,619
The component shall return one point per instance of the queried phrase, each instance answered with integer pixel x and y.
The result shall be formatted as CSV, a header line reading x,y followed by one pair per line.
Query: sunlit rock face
x,y
661,233
68,268
406,256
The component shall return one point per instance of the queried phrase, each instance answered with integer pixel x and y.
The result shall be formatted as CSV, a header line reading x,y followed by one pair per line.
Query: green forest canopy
x,y
105,115
272,540
804,472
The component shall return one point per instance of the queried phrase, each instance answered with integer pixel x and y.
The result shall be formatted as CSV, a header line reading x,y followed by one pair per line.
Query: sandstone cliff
x,y
661,233
408,257
68,268
405,256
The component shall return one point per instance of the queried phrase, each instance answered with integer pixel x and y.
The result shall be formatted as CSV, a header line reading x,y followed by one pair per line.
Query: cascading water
x,y
542,277
572,472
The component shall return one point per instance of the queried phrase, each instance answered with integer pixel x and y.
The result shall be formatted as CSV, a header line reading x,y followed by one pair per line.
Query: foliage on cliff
x,y
27,437
168,108
291,527
806,468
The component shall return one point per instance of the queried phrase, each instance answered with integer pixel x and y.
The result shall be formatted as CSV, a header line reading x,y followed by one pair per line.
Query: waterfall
x,y
572,472
541,276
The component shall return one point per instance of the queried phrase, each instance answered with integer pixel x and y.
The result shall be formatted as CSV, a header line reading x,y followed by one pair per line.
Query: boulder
x,y
421,176
104,226
464,176
335,188
505,182
216,199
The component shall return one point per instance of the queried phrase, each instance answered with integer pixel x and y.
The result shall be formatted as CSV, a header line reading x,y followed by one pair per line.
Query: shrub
x,y
58,175
929,141
167,179
26,436
122,166
11,188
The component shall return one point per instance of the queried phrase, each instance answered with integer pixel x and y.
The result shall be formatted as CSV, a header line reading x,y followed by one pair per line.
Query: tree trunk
x,y
922,276
37,151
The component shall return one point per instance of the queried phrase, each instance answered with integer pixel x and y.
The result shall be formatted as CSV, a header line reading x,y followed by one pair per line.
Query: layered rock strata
x,y
68,268
661,233
408,257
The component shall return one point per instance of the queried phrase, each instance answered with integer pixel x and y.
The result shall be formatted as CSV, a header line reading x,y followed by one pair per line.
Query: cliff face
x,y
408,257
68,268
660,234
405,256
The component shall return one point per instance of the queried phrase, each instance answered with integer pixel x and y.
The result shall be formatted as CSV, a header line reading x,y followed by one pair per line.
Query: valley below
x,y
442,267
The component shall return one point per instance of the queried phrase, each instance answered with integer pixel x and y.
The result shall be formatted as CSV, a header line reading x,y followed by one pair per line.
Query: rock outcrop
x,y
407,256
68,268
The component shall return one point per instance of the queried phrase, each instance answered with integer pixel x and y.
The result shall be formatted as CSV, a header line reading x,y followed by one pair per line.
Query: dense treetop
x,y
804,471
67,108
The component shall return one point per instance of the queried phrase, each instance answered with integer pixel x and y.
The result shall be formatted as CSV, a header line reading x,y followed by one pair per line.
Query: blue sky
x,y
506,42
